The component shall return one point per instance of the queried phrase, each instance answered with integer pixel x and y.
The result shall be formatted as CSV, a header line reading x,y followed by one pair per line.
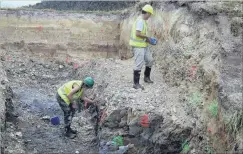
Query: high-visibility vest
x,y
137,41
65,89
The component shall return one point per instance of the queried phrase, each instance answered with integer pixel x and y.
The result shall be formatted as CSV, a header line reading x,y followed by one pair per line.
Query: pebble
x,y
193,151
174,109
76,151
11,135
46,118
18,134
173,118
61,66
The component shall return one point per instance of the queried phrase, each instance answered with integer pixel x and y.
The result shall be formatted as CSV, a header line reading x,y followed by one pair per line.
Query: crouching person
x,y
67,97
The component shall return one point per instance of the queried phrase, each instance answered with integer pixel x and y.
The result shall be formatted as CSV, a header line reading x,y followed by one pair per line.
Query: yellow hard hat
x,y
148,8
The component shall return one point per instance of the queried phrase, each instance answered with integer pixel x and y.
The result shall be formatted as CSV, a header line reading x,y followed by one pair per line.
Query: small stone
x,y
193,151
46,118
173,118
18,134
174,109
77,151
11,135
61,66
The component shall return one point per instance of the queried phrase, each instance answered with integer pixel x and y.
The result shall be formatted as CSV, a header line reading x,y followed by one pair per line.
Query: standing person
x,y
67,95
139,42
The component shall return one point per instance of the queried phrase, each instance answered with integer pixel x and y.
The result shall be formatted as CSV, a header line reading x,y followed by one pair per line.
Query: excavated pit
x,y
34,80
42,50
48,56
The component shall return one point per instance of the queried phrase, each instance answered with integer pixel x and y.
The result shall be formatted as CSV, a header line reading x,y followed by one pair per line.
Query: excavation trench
x,y
42,50
32,82
34,71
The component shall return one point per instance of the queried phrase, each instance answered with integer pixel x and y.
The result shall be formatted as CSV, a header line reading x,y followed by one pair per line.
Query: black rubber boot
x,y
147,75
68,133
136,78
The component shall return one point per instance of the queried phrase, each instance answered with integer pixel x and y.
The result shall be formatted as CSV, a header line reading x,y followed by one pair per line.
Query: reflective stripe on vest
x,y
65,89
137,41
131,38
